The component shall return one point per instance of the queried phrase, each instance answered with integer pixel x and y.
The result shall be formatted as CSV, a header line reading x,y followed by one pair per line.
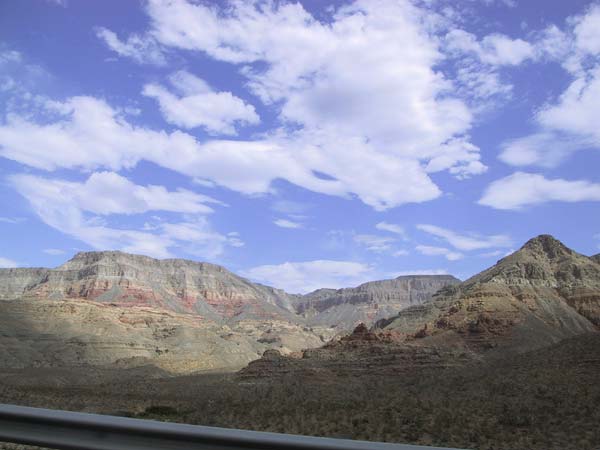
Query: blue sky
x,y
303,145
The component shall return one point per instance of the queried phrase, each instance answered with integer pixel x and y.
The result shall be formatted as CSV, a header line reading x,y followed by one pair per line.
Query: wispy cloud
x,y
284,223
439,251
467,242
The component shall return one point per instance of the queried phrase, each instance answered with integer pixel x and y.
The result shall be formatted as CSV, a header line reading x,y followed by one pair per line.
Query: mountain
x,y
114,308
369,302
176,285
537,296
542,293
596,258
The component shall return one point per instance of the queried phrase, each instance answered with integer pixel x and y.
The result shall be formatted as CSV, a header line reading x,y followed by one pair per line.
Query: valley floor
x,y
549,399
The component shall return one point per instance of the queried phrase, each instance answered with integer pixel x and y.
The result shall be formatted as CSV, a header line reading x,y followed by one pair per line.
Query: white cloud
x,y
303,277
587,31
197,105
392,228
391,114
110,193
374,243
76,210
467,242
6,263
54,251
493,49
565,127
520,190
439,251
90,134
142,49
284,223
570,123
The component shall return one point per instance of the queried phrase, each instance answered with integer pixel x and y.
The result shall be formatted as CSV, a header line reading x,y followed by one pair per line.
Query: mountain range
x,y
538,296
107,308
113,309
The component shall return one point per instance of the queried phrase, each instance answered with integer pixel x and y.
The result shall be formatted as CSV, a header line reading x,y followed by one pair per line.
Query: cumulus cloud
x,y
142,49
467,242
76,210
196,104
6,263
570,123
110,193
303,277
493,49
285,223
439,251
355,100
520,190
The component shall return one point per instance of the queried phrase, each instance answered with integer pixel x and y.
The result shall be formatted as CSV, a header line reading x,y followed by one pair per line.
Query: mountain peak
x,y
547,245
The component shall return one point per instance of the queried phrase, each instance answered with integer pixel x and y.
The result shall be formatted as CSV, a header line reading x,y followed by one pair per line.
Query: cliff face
x,y
369,302
175,285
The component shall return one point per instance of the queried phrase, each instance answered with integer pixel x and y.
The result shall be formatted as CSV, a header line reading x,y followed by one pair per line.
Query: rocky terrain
x,y
541,294
370,301
176,285
117,309
537,296
508,359
545,399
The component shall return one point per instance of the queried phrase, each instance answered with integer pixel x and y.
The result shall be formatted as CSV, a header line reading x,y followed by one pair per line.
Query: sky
x,y
299,144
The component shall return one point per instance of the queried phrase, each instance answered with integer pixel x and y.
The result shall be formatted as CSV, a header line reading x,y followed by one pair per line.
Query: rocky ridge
x,y
176,285
540,295
369,302
113,308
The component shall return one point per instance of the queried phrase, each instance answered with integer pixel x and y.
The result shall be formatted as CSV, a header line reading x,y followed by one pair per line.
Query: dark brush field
x,y
549,399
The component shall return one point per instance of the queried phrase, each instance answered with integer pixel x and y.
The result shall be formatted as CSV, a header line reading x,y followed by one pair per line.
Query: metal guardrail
x,y
82,431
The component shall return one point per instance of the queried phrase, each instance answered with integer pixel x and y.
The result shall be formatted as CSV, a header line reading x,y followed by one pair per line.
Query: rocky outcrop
x,y
369,302
540,294
363,352
176,285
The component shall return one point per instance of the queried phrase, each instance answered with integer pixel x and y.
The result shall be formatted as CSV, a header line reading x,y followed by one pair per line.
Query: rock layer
x,y
175,285
540,295
369,302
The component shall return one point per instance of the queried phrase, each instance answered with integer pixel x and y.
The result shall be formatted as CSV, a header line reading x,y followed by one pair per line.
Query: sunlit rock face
x,y
132,280
369,302
113,308
540,294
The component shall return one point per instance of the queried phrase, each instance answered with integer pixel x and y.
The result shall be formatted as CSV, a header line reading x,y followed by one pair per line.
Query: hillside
x,y
540,295
176,285
369,302
121,310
